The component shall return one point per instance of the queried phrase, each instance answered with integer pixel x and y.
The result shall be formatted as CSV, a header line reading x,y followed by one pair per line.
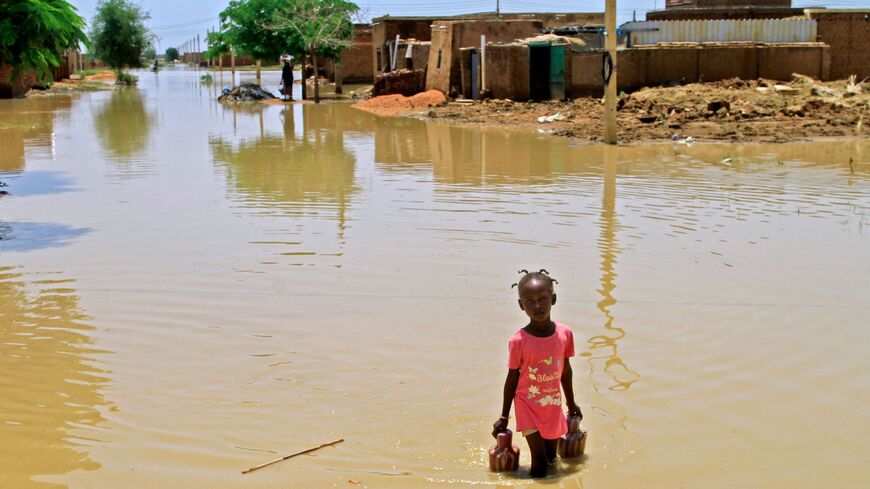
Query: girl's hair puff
x,y
541,274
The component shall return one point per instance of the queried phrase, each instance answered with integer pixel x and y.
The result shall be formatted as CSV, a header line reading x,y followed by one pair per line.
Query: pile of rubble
x,y
246,92
402,82
737,110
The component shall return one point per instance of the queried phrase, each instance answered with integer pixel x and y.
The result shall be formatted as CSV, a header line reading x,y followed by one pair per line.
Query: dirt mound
x,y
246,92
730,110
394,104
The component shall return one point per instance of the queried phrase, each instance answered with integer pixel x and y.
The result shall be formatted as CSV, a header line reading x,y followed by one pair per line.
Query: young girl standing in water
x,y
538,364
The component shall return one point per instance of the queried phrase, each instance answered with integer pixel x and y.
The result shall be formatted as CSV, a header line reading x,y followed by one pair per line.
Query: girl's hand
x,y
574,410
500,425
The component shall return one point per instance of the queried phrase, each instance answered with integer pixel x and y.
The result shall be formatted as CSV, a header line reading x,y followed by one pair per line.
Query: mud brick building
x,y
847,32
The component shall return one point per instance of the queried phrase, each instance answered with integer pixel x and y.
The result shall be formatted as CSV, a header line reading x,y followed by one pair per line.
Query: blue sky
x,y
175,21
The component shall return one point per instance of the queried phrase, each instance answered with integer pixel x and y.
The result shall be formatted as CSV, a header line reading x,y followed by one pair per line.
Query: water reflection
x,y
123,125
29,236
278,173
28,123
32,183
623,377
306,173
50,387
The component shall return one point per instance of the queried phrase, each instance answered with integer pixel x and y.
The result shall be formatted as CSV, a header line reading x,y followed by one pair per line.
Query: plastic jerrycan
x,y
504,456
573,443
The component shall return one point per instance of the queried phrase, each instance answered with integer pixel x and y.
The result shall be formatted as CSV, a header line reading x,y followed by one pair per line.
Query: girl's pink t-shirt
x,y
538,400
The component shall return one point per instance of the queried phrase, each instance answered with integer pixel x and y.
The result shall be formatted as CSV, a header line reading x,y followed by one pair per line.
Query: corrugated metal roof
x,y
755,30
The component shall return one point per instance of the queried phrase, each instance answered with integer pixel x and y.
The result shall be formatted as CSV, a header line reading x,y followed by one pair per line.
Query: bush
x,y
127,79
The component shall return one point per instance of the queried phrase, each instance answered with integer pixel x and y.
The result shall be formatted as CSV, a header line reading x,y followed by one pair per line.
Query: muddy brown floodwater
x,y
189,289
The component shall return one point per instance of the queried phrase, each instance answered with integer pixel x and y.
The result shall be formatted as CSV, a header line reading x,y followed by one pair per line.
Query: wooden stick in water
x,y
293,455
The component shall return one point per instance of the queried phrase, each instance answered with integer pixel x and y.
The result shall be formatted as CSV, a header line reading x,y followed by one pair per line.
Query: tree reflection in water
x,y
124,127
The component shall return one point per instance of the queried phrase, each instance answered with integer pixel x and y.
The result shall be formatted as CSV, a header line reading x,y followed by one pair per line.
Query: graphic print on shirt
x,y
544,386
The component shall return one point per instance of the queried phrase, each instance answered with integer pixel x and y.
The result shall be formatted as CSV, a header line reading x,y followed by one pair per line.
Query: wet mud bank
x,y
732,110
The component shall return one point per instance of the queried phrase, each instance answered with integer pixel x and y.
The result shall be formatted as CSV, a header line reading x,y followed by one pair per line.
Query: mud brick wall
x,y
566,19
649,66
721,62
384,30
449,36
406,83
240,61
507,71
356,64
778,62
848,34
440,58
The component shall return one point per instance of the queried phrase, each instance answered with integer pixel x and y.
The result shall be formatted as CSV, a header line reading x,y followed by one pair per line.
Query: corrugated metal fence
x,y
757,30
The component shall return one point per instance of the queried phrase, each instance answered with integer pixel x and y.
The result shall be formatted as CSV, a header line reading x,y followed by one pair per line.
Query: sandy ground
x,y
103,80
755,110
392,105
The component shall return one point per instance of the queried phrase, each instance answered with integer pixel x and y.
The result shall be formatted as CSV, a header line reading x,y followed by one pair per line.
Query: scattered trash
x,y
823,91
688,140
853,88
727,161
551,118
246,92
786,90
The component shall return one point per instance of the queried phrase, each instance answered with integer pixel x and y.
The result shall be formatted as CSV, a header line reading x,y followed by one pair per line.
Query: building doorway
x,y
539,71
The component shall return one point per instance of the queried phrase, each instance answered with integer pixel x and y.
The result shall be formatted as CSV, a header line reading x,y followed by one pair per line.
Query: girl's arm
x,y
510,389
568,389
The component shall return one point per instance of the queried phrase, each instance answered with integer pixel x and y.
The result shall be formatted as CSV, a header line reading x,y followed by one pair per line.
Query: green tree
x,y
149,54
171,54
324,28
119,34
243,27
216,45
35,33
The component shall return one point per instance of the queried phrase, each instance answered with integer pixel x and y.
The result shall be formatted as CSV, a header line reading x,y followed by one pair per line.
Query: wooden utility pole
x,y
610,90
233,64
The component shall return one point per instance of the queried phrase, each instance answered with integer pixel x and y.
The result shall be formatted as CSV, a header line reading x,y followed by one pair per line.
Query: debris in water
x,y
246,92
292,455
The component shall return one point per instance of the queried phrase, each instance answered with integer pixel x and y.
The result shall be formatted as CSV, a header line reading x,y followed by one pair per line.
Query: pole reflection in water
x,y
305,174
50,399
623,377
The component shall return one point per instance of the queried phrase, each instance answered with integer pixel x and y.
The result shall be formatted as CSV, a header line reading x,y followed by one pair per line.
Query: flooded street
x,y
189,289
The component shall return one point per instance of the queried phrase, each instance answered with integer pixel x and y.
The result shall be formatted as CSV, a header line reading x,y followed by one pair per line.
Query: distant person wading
x,y
287,80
